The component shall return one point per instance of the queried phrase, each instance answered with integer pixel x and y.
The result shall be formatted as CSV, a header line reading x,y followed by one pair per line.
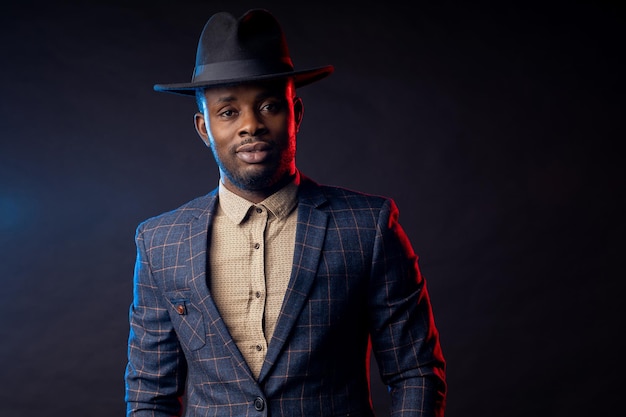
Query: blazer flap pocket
x,y
187,319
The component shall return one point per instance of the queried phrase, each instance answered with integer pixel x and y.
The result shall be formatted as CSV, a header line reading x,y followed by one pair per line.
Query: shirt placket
x,y
257,285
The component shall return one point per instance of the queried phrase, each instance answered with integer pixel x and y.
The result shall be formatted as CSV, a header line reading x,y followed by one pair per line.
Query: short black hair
x,y
200,99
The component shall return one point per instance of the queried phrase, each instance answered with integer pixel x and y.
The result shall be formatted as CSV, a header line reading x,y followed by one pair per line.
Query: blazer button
x,y
259,404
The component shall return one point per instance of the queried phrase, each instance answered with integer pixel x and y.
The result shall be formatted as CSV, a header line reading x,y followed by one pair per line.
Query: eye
x,y
227,113
272,106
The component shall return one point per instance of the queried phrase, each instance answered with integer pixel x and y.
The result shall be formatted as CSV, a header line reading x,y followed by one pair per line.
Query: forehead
x,y
278,87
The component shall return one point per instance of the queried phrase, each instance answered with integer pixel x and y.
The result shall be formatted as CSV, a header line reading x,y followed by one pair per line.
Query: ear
x,y
298,112
201,128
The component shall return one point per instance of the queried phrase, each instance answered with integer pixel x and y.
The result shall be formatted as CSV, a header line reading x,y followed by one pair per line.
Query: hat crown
x,y
230,47
256,35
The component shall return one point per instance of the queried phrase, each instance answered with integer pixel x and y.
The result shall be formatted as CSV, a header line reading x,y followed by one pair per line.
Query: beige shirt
x,y
250,262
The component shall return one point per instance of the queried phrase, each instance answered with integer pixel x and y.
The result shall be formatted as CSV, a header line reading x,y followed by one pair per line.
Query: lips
x,y
253,147
253,153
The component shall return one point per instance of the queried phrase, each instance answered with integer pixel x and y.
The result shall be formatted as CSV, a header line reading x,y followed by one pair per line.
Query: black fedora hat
x,y
251,48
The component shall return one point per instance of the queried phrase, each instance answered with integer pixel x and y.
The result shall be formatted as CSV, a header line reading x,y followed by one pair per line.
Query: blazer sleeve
x,y
405,340
156,369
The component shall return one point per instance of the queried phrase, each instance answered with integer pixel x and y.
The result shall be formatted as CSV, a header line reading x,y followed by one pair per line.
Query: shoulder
x,y
338,198
347,206
180,216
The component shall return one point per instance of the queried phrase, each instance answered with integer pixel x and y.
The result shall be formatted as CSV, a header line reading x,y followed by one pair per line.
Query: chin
x,y
254,182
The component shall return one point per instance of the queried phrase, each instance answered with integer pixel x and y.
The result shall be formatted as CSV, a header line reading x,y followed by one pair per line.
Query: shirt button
x,y
259,404
258,294
257,245
259,210
259,348
180,309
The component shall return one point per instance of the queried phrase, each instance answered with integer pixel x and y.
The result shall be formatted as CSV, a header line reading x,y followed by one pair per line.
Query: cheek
x,y
218,136
220,146
284,127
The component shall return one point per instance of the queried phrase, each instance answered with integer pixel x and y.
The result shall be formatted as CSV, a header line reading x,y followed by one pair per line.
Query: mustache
x,y
254,143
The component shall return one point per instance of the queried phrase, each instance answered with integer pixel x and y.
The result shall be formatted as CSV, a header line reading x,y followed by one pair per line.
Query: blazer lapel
x,y
199,232
310,235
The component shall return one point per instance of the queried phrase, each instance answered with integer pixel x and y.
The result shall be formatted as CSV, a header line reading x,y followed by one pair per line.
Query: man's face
x,y
251,129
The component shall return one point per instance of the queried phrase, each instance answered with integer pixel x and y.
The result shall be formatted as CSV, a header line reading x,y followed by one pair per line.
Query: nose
x,y
251,124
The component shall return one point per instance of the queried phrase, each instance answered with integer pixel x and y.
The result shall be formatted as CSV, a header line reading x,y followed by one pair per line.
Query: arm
x,y
156,370
405,340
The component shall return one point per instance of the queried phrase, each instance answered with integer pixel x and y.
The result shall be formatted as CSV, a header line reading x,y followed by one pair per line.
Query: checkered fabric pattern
x,y
355,285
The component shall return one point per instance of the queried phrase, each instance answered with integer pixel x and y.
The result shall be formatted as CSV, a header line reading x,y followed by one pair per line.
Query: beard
x,y
258,177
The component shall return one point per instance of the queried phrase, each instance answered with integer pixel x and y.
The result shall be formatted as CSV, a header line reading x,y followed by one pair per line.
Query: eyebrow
x,y
261,96
225,99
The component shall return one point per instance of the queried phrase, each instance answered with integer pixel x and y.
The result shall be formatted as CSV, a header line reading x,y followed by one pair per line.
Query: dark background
x,y
495,127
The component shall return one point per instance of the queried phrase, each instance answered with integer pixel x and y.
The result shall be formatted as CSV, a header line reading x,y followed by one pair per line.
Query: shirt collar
x,y
279,204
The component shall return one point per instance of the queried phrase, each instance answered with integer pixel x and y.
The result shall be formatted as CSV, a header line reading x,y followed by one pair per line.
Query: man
x,y
265,297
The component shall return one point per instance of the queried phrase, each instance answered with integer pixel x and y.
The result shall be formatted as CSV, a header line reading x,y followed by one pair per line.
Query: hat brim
x,y
301,78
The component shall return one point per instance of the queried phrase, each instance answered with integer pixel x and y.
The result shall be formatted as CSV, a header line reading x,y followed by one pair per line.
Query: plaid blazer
x,y
355,287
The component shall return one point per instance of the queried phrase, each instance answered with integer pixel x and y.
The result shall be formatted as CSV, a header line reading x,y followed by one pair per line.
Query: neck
x,y
256,196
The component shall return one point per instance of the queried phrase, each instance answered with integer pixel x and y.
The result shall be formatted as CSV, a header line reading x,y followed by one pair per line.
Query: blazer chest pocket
x,y
187,319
